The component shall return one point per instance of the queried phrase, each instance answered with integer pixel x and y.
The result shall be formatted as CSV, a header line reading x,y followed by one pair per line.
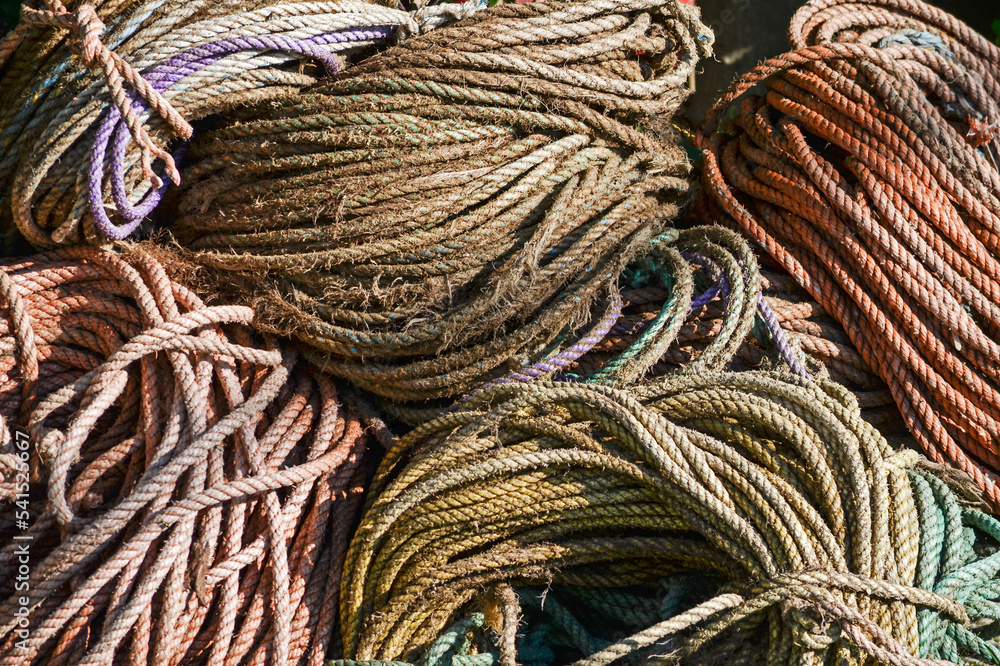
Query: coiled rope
x,y
192,490
868,170
719,257
814,541
440,214
789,330
65,132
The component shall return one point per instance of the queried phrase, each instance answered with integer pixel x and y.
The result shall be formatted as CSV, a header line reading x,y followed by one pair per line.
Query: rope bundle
x,y
790,329
192,491
67,156
815,542
868,169
449,210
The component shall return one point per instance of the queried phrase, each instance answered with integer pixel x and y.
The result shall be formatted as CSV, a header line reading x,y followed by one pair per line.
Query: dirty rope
x,y
788,529
867,167
440,214
191,489
69,173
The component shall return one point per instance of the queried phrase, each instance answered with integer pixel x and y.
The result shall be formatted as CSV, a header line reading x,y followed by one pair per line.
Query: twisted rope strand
x,y
866,171
198,485
195,59
117,73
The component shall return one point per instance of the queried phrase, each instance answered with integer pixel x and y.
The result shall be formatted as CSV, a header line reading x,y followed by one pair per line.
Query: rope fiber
x,y
865,163
446,212
78,148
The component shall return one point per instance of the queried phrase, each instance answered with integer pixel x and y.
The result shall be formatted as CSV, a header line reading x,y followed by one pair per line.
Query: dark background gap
x,y
750,31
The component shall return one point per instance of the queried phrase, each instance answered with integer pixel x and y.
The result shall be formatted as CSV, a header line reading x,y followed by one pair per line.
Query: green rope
x,y
759,518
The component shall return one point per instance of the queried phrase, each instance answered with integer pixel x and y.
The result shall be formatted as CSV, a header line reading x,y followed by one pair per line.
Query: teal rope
x,y
452,648
949,564
959,558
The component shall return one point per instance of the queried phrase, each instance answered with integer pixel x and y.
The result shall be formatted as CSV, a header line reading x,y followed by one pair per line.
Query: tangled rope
x,y
95,55
676,259
164,65
786,527
192,491
788,329
698,302
439,215
868,170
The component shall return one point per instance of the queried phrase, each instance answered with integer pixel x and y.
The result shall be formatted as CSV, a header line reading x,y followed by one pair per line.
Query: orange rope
x,y
867,167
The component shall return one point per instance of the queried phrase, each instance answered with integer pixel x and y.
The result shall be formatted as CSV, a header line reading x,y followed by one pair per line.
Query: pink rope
x,y
200,483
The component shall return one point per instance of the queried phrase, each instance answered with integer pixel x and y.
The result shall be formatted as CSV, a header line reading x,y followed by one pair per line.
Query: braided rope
x,y
199,486
869,170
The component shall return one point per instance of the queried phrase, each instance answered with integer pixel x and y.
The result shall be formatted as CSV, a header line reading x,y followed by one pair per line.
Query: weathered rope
x,y
441,214
777,526
676,259
789,330
65,134
95,55
192,491
868,170
695,302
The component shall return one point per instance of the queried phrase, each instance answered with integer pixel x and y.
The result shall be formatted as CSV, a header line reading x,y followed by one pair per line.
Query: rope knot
x,y
117,73
84,21
90,28
811,628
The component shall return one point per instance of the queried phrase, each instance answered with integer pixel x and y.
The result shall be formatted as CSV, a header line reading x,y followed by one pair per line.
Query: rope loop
x,y
85,23
868,166
183,462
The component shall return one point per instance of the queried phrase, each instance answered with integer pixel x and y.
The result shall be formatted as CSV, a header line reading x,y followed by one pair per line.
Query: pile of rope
x,y
865,163
775,524
788,329
77,85
447,211
173,491
696,301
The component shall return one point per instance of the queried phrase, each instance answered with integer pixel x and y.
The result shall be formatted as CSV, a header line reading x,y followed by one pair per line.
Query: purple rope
x,y
721,286
561,360
770,319
566,357
780,338
696,304
778,335
113,130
